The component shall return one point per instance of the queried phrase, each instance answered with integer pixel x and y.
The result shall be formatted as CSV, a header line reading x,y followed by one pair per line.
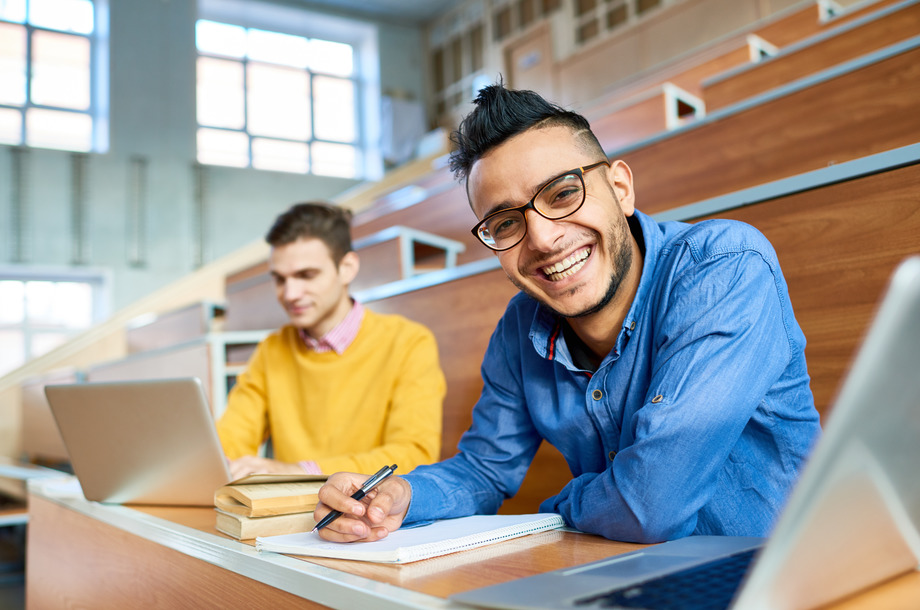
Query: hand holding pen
x,y
375,480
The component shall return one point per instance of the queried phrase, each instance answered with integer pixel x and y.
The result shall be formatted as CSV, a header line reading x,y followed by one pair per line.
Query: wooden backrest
x,y
866,108
838,246
41,440
847,40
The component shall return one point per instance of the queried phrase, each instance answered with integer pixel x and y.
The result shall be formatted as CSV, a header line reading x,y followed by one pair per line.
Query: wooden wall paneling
x,y
192,359
446,213
251,302
642,116
838,246
171,328
41,440
846,41
848,115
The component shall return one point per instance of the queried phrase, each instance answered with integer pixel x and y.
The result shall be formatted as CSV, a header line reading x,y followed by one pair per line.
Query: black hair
x,y
329,223
501,114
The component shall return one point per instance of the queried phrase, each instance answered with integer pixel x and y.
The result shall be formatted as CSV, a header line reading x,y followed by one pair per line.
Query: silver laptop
x,y
141,442
851,521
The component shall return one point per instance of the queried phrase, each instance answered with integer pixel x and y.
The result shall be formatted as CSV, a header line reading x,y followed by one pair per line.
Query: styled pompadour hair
x,y
501,114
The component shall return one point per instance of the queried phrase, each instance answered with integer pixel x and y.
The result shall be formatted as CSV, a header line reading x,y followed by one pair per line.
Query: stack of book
x,y
267,505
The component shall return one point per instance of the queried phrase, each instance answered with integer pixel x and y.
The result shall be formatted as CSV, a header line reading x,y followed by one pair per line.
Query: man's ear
x,y
621,181
349,267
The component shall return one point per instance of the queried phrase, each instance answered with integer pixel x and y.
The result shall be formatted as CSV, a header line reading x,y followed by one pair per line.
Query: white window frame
x,y
99,81
363,38
99,279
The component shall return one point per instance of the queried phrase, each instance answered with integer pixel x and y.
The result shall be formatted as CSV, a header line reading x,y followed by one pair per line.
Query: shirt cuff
x,y
310,467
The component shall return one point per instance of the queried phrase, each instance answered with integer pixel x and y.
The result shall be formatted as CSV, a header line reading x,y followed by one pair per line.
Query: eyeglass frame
x,y
579,171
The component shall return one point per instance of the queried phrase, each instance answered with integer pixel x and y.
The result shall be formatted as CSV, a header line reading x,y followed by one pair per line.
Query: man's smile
x,y
569,266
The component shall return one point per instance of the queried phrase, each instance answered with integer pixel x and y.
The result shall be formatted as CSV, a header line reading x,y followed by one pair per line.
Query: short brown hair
x,y
329,223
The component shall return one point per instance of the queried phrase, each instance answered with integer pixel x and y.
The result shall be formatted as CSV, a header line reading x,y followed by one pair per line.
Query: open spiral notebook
x,y
412,544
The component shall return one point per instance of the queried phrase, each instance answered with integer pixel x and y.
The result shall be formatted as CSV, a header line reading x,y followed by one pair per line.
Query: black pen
x,y
368,485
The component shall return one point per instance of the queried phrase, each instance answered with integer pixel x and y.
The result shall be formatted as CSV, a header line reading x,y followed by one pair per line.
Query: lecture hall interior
x,y
146,146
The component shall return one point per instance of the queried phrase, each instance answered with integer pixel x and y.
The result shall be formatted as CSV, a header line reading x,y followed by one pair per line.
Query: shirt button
x,y
612,455
597,394
657,399
632,325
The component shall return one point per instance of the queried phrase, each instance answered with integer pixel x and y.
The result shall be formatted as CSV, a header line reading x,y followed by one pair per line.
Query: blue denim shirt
x,y
697,422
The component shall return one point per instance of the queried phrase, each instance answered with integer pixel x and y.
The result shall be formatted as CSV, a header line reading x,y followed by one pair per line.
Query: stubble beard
x,y
621,254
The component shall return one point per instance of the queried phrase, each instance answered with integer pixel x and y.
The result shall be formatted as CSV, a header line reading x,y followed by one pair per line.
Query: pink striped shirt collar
x,y
339,338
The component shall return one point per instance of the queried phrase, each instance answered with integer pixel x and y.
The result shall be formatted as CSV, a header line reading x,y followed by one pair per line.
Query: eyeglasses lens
x,y
557,199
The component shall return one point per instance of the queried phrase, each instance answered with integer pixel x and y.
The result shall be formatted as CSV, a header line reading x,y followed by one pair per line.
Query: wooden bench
x,y
847,40
862,107
654,111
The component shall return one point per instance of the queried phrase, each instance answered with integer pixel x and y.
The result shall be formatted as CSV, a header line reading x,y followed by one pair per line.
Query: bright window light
x,y
46,76
278,102
10,127
220,39
277,99
280,155
334,160
220,93
12,64
332,57
276,48
64,15
13,10
335,109
60,70
59,129
219,147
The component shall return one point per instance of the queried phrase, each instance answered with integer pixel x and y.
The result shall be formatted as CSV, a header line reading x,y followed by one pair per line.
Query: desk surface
x,y
177,557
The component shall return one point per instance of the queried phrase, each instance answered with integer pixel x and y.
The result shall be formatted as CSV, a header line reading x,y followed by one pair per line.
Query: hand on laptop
x,y
250,464
380,512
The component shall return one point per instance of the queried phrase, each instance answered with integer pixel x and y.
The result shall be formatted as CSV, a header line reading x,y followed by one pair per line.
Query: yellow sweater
x,y
380,402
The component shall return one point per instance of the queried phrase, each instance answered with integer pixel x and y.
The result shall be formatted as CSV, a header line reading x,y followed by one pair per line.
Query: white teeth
x,y
568,266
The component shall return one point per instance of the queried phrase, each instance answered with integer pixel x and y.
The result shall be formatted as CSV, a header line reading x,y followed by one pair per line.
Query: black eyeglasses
x,y
560,197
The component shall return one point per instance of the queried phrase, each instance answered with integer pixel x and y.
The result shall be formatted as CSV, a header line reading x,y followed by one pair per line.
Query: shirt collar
x,y
339,338
545,328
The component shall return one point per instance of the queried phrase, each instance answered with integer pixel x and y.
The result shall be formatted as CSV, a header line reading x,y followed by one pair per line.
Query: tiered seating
x,y
858,108
814,163
847,40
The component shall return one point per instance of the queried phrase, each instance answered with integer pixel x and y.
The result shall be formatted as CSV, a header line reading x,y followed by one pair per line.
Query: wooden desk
x,y
82,554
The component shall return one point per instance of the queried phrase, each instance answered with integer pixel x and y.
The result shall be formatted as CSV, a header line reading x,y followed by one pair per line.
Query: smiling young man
x,y
663,360
340,387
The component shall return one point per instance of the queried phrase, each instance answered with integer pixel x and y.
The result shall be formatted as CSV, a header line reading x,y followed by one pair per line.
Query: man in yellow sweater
x,y
340,387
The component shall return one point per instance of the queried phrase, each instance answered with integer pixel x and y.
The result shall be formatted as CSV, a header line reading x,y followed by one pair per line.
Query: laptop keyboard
x,y
710,586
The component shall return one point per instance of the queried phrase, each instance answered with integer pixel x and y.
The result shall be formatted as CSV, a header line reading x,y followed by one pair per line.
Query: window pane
x,y
10,126
220,38
12,295
13,10
220,93
42,343
280,155
334,109
216,147
60,70
12,350
335,160
278,48
12,63
64,15
73,304
66,304
278,102
332,57
58,129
